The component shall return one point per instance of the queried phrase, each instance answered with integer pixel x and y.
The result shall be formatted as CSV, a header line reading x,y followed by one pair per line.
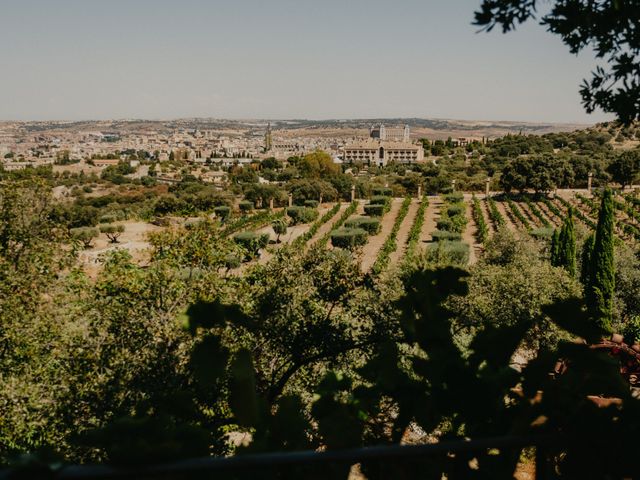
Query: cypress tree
x,y
599,293
567,245
587,251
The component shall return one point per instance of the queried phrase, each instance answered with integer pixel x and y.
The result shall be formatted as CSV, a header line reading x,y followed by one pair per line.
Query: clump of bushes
x,y
349,238
448,253
381,191
84,235
374,210
223,212
454,197
252,242
311,203
112,232
544,233
441,235
302,214
245,206
369,224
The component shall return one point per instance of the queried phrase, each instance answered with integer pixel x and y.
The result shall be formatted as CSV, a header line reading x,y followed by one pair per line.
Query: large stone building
x,y
384,145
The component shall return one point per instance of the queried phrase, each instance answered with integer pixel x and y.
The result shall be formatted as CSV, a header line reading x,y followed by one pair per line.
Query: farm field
x,y
405,227
389,245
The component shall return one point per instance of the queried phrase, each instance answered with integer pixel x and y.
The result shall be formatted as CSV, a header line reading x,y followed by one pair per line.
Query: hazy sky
x,y
90,59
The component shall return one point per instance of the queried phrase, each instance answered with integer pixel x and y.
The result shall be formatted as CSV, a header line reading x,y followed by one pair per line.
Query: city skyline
x,y
285,60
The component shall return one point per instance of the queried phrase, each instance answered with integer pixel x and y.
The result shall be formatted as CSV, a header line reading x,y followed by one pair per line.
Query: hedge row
x,y
552,208
350,210
517,213
453,218
300,215
256,221
448,253
537,213
416,228
494,213
308,235
349,238
371,225
590,223
482,231
390,244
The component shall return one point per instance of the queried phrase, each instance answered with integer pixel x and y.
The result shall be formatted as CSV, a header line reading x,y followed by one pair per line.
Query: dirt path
x,y
431,218
487,218
403,232
533,220
469,234
506,214
327,226
553,220
373,246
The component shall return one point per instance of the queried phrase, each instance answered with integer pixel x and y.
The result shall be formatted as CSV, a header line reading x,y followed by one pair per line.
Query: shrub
x,y
223,212
232,261
448,253
107,219
252,242
245,206
370,225
454,197
112,232
381,191
440,235
311,203
85,235
279,226
542,233
379,200
302,214
349,238
455,209
192,223
374,210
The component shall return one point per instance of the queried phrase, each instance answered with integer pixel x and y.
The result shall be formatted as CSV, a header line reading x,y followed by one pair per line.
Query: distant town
x,y
90,145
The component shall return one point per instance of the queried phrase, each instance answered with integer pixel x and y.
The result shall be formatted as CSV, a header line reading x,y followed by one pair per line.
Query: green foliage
x,y
599,292
84,235
625,168
302,214
349,238
381,192
607,27
350,210
222,212
252,242
280,227
308,235
440,235
311,203
537,213
375,210
390,244
371,225
112,231
482,232
517,213
416,229
245,206
447,252
494,214
565,256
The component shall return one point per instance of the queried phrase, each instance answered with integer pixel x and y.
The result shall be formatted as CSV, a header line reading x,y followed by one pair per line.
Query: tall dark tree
x,y
610,27
625,168
599,291
587,251
566,253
